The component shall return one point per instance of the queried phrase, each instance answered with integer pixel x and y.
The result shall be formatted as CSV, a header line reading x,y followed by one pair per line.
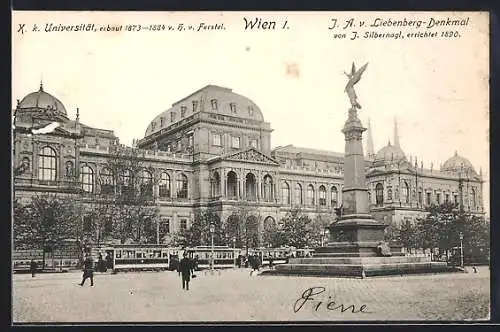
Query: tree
x,y
199,232
318,229
47,222
124,208
272,235
295,229
243,225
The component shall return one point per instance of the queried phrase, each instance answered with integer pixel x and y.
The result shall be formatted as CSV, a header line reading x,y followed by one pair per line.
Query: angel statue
x,y
354,78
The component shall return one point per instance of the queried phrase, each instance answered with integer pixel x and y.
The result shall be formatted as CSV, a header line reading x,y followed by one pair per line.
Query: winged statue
x,y
354,78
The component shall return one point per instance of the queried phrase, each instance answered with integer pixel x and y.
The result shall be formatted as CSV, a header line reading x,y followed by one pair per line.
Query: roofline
x,y
197,91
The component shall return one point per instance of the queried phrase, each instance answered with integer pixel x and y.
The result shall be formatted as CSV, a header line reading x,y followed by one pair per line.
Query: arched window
x,y
406,193
322,196
334,196
298,194
126,180
69,169
379,194
47,164
268,189
473,197
285,193
310,194
146,184
251,187
215,184
87,178
164,185
182,186
107,181
232,185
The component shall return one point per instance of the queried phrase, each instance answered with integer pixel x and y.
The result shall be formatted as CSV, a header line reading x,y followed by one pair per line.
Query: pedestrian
x,y
33,267
185,269
271,262
88,270
474,269
109,261
101,265
254,262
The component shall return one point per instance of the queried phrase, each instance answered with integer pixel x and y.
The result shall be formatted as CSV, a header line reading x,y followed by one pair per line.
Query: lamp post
x,y
234,250
212,230
461,250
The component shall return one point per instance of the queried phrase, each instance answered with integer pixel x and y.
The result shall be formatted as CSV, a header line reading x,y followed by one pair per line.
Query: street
x,y
234,295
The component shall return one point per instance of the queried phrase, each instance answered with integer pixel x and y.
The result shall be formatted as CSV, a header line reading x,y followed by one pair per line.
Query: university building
x,y
213,149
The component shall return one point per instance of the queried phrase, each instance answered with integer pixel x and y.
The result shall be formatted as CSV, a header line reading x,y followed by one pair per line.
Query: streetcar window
x,y
118,254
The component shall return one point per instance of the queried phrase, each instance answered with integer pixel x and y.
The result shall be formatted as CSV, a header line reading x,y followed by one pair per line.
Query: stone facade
x,y
220,142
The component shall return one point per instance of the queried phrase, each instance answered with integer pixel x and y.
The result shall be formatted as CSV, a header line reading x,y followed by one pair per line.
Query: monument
x,y
357,246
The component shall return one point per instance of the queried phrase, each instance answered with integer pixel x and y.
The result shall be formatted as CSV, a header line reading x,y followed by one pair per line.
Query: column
x,y
259,185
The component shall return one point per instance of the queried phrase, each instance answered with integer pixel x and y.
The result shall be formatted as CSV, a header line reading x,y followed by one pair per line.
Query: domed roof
x,y
211,98
389,153
457,163
41,100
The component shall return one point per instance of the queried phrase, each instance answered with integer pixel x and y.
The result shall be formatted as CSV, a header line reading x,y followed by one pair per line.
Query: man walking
x,y
88,270
33,267
185,268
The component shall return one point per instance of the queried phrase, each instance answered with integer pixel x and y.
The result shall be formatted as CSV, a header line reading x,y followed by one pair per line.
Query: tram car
x,y
279,255
224,257
128,257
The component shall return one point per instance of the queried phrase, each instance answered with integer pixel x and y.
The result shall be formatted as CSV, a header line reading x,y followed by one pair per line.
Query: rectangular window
x,y
253,143
162,121
233,107
236,143
216,140
427,198
183,111
250,111
438,198
164,227
190,140
455,196
172,116
183,223
213,102
195,105
420,197
447,198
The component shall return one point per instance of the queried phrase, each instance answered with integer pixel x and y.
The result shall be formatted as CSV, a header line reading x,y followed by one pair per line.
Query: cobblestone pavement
x,y
236,296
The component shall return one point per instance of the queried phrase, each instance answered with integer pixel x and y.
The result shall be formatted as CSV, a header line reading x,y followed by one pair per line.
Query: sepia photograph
x,y
242,167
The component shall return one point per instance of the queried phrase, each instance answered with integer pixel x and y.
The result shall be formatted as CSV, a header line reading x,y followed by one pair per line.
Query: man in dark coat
x,y
186,269
88,270
33,267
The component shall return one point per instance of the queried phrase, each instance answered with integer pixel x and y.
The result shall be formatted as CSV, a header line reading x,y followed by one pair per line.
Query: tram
x,y
224,257
144,257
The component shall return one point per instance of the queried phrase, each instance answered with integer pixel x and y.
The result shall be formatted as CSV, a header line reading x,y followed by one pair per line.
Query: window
x,y
126,181
183,223
178,145
447,198
69,169
195,105
146,184
182,186
389,194
172,116
153,126
428,198
250,111
334,196
213,102
438,198
107,181
215,184
164,185
285,193
47,164
473,197
87,178
310,194
87,224
216,140
108,225
298,194
406,193
26,164
233,108
253,143
162,121
379,194
183,111
190,140
420,197
236,143
322,196
455,198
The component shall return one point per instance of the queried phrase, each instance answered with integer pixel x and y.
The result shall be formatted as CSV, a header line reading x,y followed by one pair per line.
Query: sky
x,y
437,88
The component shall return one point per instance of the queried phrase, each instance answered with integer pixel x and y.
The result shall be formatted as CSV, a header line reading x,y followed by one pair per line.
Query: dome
x,y
213,99
41,100
457,163
390,152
